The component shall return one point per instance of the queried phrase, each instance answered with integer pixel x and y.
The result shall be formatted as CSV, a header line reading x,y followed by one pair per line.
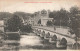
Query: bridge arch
x,y
48,35
54,38
76,45
63,43
39,32
42,34
36,31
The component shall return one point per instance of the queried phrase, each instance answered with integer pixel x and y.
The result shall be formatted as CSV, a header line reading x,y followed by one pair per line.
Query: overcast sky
x,y
20,5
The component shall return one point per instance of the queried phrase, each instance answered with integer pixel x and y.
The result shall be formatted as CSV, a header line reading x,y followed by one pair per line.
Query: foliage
x,y
74,10
13,36
23,15
5,15
63,17
60,17
48,35
14,23
26,28
75,20
49,23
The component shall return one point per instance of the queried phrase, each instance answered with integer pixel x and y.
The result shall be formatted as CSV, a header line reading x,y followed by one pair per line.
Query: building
x,y
43,15
30,21
44,21
40,15
36,17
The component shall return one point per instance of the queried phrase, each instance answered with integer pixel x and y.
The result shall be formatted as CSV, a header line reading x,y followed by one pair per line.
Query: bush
x,y
14,23
26,28
13,36
49,23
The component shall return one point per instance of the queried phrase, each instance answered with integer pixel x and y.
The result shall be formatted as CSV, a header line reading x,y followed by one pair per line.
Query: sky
x,y
29,7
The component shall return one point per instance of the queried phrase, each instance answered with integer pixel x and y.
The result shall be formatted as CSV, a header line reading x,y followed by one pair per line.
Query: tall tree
x,y
75,20
74,10
60,17
75,23
14,23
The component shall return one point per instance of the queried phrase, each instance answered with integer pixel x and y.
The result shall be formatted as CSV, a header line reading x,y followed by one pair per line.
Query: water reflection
x,y
33,41
30,42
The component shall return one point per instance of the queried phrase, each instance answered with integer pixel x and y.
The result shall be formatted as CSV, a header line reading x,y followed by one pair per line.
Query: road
x,y
62,30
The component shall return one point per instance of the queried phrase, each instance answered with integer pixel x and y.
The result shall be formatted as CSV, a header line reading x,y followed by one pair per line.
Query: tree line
x,y
69,18
14,21
61,17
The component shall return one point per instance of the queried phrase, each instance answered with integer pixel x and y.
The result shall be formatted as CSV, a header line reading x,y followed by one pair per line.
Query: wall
x,y
2,25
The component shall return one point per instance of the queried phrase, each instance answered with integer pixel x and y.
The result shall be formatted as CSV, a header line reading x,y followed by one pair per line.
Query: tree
x,y
49,23
75,22
14,23
74,10
24,15
26,28
60,17
5,15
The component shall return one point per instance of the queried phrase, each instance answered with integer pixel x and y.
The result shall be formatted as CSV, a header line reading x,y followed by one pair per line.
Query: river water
x,y
30,41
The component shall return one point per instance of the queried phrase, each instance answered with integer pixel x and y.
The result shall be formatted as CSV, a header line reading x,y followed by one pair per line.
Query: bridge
x,y
60,33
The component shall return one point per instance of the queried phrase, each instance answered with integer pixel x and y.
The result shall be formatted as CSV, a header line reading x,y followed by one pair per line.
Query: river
x,y
30,41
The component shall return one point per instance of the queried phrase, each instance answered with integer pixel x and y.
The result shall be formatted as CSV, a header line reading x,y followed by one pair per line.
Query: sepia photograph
x,y
39,25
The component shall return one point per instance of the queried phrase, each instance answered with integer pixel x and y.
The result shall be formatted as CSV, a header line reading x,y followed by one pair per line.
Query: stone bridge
x,y
58,33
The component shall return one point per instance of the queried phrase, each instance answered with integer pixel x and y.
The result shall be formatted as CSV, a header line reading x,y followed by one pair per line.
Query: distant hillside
x,y
5,15
20,14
